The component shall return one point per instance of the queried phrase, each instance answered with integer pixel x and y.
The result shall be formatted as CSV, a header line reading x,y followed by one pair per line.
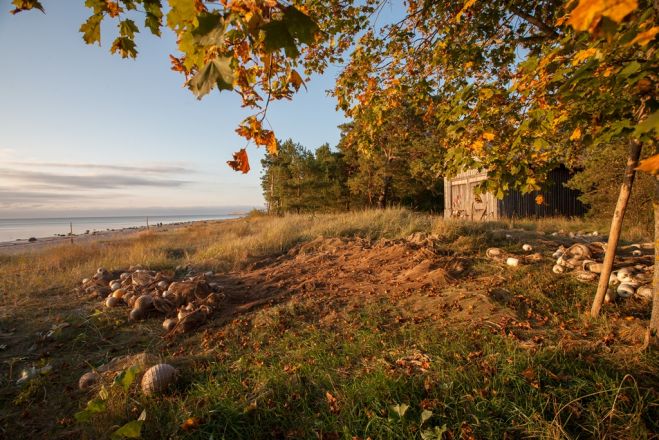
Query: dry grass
x,y
229,245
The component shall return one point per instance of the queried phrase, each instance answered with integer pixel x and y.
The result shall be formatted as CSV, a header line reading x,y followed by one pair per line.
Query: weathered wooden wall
x,y
460,202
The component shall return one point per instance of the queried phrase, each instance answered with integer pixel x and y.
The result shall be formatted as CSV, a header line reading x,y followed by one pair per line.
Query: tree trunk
x,y
616,225
652,335
384,195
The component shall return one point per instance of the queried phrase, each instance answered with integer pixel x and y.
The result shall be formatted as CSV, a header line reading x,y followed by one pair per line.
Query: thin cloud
x,y
91,181
154,169
18,196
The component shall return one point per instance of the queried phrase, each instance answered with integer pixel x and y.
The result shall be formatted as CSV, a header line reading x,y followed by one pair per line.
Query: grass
x,y
376,369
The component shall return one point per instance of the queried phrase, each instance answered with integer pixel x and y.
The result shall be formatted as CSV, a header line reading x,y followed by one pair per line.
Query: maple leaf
x,y
583,55
216,73
489,136
91,29
240,161
268,140
576,134
125,46
113,9
332,402
539,199
644,38
26,5
649,165
588,13
296,80
190,424
178,65
128,28
300,25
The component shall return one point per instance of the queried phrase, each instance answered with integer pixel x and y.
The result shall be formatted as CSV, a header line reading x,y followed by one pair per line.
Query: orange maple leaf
x,y
190,424
588,13
240,161
332,402
113,8
644,38
650,165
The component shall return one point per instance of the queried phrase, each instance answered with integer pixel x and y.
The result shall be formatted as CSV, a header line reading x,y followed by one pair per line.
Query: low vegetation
x,y
510,355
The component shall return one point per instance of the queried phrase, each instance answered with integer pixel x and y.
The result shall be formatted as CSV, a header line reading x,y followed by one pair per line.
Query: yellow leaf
x,y
645,37
583,55
468,4
477,146
588,13
488,136
539,199
650,165
271,145
576,134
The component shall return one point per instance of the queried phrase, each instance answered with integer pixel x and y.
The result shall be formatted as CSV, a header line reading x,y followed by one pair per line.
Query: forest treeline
x,y
298,180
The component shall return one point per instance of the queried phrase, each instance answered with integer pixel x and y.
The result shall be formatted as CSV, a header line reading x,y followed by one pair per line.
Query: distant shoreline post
x,y
147,222
71,231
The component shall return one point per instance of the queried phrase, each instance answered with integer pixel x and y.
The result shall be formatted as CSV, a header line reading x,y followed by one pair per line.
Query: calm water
x,y
13,229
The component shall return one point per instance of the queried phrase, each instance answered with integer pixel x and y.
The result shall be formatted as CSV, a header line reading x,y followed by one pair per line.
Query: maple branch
x,y
534,21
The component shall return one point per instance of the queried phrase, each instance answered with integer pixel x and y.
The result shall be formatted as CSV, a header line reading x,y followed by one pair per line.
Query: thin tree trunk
x,y
616,225
383,200
652,335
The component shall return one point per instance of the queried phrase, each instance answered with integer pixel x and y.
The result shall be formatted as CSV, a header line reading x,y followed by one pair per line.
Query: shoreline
x,y
25,246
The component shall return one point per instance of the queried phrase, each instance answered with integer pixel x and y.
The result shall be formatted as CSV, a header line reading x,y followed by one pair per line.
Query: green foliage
x,y
91,29
216,73
127,377
26,5
94,406
132,429
599,178
296,180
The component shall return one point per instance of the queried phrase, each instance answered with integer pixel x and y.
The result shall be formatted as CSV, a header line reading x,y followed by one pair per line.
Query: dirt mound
x,y
347,273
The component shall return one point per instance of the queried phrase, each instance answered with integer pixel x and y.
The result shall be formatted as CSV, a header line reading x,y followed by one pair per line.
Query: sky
x,y
83,131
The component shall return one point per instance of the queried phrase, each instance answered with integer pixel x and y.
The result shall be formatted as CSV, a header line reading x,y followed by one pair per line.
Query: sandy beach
x,y
24,245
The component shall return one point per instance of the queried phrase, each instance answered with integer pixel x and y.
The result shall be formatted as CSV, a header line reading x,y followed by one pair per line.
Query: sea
x,y
25,228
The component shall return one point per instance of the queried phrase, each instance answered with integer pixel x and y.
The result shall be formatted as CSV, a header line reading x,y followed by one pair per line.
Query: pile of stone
x,y
185,304
632,271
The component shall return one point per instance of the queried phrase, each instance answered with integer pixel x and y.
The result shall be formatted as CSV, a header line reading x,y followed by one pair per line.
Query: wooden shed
x,y
461,202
